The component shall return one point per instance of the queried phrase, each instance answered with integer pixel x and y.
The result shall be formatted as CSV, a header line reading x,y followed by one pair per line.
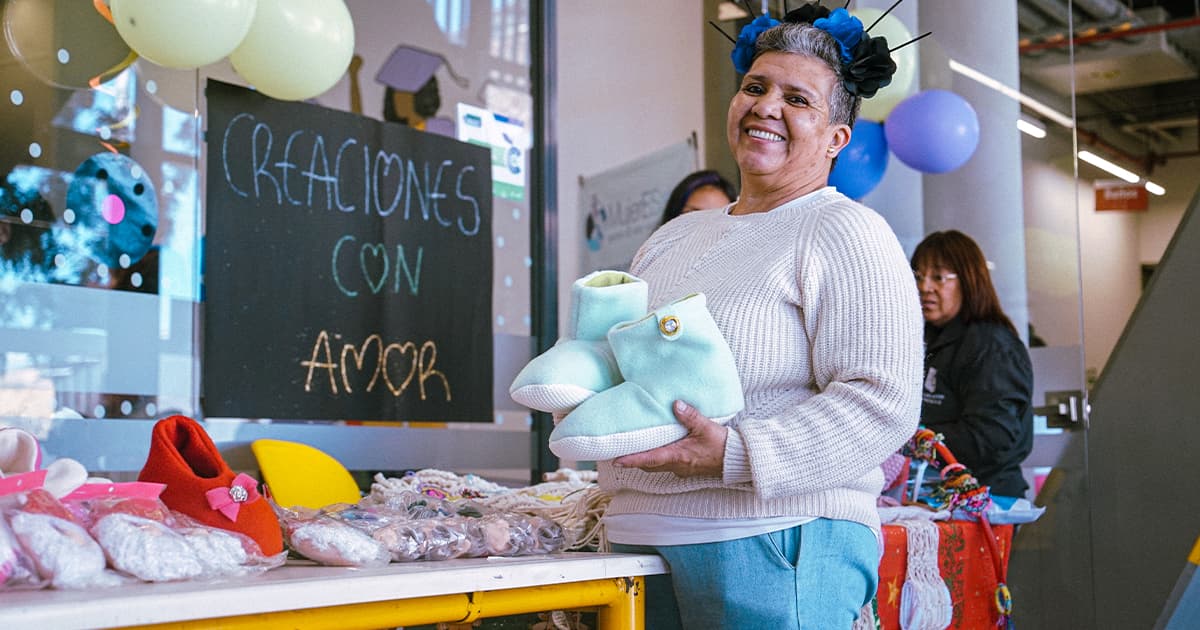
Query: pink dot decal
x,y
113,209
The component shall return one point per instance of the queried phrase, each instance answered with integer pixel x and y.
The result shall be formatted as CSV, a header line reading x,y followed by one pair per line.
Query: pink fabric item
x,y
894,468
228,501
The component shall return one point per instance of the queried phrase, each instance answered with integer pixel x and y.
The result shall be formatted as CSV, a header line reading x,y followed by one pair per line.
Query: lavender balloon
x,y
933,131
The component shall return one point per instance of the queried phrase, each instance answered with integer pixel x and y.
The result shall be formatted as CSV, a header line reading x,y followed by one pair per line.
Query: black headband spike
x,y
889,10
866,63
917,38
722,31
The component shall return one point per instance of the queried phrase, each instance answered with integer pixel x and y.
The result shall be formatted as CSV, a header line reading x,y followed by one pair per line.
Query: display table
x,y
965,563
304,595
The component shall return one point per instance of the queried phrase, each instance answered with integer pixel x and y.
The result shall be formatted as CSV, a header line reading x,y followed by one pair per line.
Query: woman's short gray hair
x,y
810,41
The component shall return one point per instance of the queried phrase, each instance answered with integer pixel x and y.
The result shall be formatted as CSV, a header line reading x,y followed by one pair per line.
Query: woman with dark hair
x,y
769,520
698,191
978,377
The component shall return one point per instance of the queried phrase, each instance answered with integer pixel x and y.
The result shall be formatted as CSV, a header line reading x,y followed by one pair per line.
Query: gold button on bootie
x,y
674,353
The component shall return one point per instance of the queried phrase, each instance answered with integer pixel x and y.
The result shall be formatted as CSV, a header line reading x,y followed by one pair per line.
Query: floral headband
x,y
867,63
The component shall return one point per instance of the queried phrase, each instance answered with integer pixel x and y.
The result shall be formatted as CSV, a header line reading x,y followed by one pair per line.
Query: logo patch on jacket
x,y
928,396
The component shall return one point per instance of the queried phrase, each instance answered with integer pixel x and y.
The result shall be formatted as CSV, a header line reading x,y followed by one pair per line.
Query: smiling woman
x,y
782,130
800,281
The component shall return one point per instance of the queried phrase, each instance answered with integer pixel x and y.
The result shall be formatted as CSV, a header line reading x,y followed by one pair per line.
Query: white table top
x,y
304,585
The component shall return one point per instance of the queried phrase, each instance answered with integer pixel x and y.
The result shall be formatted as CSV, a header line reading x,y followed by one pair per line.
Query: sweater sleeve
x,y
863,322
995,384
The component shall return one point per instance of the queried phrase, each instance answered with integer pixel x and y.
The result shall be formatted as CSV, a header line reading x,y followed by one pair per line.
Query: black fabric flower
x,y
870,69
807,14
866,64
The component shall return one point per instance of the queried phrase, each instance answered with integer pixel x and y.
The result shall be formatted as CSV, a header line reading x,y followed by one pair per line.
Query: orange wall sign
x,y
1119,195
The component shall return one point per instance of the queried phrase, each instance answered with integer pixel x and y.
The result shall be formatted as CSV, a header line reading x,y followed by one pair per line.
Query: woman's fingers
x,y
700,452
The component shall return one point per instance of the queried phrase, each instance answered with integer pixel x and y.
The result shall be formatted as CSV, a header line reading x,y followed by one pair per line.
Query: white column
x,y
982,198
898,197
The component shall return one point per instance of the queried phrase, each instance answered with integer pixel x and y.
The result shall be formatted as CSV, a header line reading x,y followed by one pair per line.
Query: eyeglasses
x,y
939,279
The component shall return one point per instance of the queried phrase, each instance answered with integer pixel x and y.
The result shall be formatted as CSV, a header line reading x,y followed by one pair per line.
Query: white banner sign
x,y
622,206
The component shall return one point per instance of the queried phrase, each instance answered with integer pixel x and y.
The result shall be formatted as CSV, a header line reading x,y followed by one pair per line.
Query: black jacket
x,y
977,393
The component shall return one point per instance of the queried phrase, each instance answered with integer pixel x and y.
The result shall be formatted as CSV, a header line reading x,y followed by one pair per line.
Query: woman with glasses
x,y
978,377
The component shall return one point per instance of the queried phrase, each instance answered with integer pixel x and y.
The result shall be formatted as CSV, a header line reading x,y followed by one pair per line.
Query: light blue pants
x,y
816,575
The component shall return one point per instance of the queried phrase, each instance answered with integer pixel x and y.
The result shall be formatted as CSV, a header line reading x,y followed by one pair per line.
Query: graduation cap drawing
x,y
412,97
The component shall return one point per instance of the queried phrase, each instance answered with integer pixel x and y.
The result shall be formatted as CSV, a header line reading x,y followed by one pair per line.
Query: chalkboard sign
x,y
348,266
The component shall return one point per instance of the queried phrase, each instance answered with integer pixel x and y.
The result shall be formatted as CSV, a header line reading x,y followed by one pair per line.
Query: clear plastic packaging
x,y
17,568
142,537
324,538
146,549
60,550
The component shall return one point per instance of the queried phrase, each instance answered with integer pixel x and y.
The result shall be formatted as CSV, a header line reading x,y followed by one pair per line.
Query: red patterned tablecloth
x,y
966,564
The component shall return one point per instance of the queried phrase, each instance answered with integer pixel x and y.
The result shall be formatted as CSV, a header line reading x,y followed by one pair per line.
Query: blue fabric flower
x,y
845,28
743,50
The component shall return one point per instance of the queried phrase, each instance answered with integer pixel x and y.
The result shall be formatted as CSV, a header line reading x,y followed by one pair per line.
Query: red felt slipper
x,y
201,485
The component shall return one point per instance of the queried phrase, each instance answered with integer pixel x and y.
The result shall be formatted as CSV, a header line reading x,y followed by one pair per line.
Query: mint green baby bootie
x,y
674,353
581,363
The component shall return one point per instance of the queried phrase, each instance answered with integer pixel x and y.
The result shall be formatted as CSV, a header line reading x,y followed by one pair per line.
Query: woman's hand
x,y
700,453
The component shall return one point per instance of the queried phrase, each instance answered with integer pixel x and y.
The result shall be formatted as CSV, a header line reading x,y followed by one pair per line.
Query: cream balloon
x,y
904,82
183,34
296,49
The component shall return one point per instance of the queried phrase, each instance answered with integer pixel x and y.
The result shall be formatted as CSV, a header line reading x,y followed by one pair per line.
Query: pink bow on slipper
x,y
229,500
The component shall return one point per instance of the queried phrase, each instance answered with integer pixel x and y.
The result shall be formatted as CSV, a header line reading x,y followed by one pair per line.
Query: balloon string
x,y
127,121
104,76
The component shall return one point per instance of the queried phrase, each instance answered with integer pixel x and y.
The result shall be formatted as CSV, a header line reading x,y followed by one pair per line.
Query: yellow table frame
x,y
304,595
621,603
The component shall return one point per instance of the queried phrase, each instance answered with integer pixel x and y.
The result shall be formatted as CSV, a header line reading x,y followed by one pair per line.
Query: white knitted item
x,y
571,475
570,498
557,398
924,600
602,447
866,618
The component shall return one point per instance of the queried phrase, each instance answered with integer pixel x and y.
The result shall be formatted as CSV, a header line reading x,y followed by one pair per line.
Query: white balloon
x,y
296,49
904,82
183,34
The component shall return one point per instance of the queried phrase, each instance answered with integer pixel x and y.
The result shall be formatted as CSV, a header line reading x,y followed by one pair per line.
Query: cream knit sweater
x,y
817,303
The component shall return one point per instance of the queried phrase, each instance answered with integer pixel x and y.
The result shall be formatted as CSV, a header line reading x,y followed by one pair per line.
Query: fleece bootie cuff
x,y
581,363
674,353
603,299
